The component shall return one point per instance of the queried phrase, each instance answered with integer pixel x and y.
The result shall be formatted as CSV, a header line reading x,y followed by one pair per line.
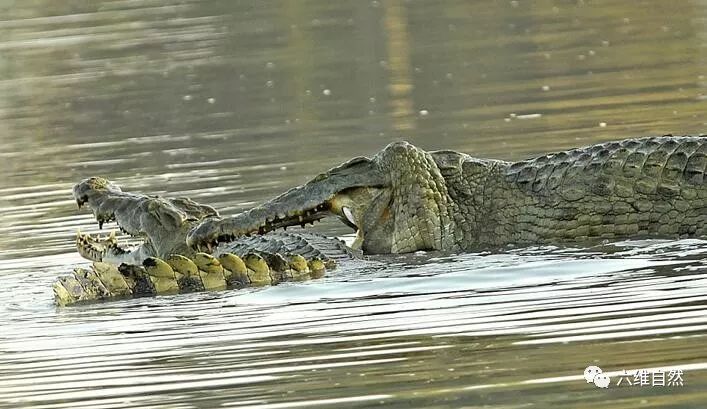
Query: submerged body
x,y
248,262
405,199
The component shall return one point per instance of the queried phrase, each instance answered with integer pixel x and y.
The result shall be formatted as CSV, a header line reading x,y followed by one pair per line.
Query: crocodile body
x,y
248,262
405,199
163,264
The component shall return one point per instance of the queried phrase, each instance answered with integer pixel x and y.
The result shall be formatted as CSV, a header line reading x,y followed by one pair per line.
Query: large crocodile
x,y
163,263
405,199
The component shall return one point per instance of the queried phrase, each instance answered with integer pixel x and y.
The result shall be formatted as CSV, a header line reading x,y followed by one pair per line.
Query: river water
x,y
231,103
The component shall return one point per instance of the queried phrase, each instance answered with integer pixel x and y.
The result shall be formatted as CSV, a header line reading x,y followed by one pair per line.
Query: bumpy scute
x,y
180,274
162,276
258,270
630,188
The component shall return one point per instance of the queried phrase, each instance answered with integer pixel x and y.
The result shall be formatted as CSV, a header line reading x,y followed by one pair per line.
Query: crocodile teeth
x,y
349,215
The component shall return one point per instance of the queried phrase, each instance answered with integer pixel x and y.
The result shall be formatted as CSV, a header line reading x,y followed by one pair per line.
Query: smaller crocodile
x,y
164,264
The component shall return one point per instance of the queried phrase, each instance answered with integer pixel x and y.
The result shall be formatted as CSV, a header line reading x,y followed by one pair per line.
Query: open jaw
x,y
108,249
160,223
381,198
345,191
96,248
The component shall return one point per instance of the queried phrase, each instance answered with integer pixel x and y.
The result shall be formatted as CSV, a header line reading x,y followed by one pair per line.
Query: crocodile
x,y
405,199
164,264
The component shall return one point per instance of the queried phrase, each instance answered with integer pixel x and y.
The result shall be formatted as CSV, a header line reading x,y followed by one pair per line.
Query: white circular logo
x,y
602,380
590,372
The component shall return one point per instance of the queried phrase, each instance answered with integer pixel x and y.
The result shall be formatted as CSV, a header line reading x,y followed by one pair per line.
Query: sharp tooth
x,y
349,215
208,246
111,237
300,218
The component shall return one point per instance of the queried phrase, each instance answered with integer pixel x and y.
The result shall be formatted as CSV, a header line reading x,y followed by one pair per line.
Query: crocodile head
x,y
396,201
162,224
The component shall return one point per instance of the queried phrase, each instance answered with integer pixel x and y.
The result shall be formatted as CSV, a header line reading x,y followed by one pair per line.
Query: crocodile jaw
x,y
95,248
108,250
161,223
393,201
324,196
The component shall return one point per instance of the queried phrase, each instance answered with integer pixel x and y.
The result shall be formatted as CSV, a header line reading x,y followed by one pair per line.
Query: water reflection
x,y
232,102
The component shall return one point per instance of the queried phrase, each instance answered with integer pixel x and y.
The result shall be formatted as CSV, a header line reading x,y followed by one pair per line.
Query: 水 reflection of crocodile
x,y
164,264
405,199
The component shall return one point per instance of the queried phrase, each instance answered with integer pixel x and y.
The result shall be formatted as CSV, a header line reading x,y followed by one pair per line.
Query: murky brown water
x,y
232,102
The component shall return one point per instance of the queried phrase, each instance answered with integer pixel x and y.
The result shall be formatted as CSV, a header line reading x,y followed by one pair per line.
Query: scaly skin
x,y
405,199
163,263
181,274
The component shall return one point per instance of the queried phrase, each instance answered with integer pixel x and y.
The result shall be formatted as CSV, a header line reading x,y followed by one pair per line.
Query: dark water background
x,y
231,102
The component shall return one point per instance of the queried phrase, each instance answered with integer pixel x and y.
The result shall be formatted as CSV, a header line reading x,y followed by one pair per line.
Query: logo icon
x,y
593,374
602,380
